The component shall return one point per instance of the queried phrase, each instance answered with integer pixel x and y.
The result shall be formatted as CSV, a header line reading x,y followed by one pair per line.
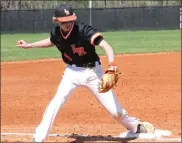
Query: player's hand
x,y
109,79
23,44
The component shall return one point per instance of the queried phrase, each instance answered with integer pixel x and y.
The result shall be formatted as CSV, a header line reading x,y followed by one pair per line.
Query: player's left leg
x,y
109,101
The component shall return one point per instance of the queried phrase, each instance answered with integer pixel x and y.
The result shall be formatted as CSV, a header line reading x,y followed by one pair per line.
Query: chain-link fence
x,y
35,16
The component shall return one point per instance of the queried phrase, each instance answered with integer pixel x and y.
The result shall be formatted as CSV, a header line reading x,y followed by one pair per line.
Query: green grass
x,y
121,41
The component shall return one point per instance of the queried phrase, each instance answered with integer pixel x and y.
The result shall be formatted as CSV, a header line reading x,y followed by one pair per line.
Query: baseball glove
x,y
109,79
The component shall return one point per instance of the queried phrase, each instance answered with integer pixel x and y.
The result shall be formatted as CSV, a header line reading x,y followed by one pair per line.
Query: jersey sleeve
x,y
53,37
92,35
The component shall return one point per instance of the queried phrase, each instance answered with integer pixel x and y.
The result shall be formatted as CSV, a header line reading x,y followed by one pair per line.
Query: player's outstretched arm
x,y
40,44
111,75
108,50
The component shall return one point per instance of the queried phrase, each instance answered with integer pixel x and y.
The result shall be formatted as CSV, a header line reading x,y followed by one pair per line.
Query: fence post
x,y
90,12
180,24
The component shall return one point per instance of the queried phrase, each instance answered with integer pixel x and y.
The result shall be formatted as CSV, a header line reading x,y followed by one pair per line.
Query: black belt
x,y
87,65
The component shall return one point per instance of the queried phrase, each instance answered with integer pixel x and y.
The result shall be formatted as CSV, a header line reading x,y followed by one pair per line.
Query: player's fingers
x,y
20,42
21,45
18,45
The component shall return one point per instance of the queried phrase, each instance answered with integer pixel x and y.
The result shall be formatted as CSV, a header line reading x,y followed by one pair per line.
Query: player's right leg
x,y
111,104
65,88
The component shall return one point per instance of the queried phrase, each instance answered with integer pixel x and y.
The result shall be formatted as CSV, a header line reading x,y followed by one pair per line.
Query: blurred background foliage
x,y
44,4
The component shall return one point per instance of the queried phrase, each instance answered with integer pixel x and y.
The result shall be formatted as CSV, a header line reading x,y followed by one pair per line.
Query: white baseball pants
x,y
89,78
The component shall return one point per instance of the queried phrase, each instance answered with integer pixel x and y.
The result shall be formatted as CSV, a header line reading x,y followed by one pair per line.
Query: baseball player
x,y
76,42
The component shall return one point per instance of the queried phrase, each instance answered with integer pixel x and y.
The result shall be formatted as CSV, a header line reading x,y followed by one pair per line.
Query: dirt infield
x,y
150,88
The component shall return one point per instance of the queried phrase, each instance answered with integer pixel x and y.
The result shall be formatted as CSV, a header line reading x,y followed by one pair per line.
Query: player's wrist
x,y
112,63
29,45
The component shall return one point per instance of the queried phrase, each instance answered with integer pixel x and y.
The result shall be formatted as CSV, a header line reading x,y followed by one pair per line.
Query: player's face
x,y
66,26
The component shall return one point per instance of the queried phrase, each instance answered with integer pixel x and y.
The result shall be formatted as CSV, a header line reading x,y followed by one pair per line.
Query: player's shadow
x,y
88,138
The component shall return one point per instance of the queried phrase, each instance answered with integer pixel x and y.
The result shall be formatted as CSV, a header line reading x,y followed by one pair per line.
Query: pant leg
x,y
65,88
109,101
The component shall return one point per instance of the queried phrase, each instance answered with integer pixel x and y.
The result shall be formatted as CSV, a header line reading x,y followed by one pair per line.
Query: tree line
x,y
44,4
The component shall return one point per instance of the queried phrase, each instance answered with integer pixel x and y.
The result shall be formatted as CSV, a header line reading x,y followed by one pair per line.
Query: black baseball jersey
x,y
78,46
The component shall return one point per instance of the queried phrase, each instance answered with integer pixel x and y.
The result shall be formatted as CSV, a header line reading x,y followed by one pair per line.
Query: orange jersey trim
x,y
94,37
68,57
68,34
